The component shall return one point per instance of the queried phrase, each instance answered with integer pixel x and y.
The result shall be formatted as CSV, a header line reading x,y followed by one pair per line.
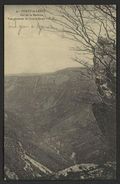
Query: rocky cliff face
x,y
88,171
105,78
105,70
18,165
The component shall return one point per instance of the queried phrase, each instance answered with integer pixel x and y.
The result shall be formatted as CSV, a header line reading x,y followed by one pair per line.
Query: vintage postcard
x,y
60,92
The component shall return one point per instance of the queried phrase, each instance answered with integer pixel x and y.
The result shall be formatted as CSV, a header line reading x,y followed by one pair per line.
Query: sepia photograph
x,y
60,92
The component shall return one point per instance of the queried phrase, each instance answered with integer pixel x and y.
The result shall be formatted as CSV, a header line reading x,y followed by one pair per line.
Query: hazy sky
x,y
30,52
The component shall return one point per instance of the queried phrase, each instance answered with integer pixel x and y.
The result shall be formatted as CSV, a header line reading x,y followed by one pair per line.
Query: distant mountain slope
x,y
51,116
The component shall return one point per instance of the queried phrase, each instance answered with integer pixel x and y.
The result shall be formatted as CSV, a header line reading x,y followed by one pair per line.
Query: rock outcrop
x,y
105,78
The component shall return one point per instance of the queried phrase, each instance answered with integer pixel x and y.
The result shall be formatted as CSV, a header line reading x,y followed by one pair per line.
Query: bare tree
x,y
93,28
82,23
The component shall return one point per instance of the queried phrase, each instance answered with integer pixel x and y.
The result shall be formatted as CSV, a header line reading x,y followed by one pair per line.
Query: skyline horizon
x,y
40,73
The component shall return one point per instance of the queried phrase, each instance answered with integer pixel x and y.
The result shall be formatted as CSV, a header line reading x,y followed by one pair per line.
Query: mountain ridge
x,y
45,73
52,116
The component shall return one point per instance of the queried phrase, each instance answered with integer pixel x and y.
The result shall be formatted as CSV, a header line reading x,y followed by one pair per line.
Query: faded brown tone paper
x,y
60,92
27,51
